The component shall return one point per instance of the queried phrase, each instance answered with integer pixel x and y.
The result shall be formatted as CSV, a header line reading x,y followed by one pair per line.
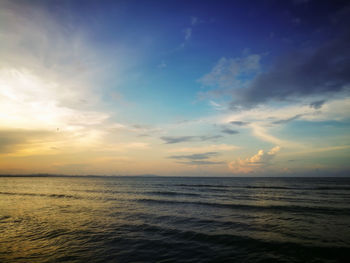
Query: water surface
x,y
158,219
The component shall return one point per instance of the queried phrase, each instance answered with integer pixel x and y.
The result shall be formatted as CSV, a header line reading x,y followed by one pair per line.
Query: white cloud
x,y
254,163
334,109
216,105
263,134
265,120
47,71
50,76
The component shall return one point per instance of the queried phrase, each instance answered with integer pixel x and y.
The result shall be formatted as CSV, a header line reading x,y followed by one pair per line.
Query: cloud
x,y
229,131
179,139
51,73
263,134
259,119
189,30
254,163
162,65
209,137
140,130
216,105
47,71
230,72
332,109
207,148
317,104
239,123
201,162
13,140
195,156
300,74
284,121
188,33
194,20
319,72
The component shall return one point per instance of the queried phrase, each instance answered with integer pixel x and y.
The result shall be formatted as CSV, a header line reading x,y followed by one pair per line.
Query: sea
x,y
174,219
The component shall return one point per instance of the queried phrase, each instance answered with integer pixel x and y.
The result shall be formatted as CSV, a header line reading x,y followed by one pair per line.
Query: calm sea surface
x,y
157,219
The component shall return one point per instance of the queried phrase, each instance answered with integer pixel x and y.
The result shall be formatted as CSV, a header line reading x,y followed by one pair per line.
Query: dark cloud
x,y
209,137
179,139
229,131
284,121
201,162
322,72
196,156
144,135
239,123
317,104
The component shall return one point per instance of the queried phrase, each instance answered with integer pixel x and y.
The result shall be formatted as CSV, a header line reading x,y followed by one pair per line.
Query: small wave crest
x,y
171,193
272,208
40,194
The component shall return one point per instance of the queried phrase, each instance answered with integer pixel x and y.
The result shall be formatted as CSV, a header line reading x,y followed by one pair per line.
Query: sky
x,y
175,88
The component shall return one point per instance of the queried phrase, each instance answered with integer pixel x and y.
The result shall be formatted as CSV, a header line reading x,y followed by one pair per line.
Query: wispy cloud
x,y
239,123
195,156
230,72
317,104
206,148
189,30
217,106
188,33
229,131
50,76
47,71
284,121
262,133
162,65
194,20
195,162
179,139
13,140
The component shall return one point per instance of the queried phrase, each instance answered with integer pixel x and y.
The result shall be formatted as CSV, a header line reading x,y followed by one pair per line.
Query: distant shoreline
x,y
153,175
64,175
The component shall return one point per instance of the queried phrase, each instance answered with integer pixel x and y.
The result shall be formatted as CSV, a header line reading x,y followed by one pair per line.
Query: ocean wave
x,y
203,185
345,188
272,208
227,239
171,193
40,194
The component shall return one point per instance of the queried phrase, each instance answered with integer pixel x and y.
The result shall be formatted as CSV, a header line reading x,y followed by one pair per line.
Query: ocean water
x,y
158,219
